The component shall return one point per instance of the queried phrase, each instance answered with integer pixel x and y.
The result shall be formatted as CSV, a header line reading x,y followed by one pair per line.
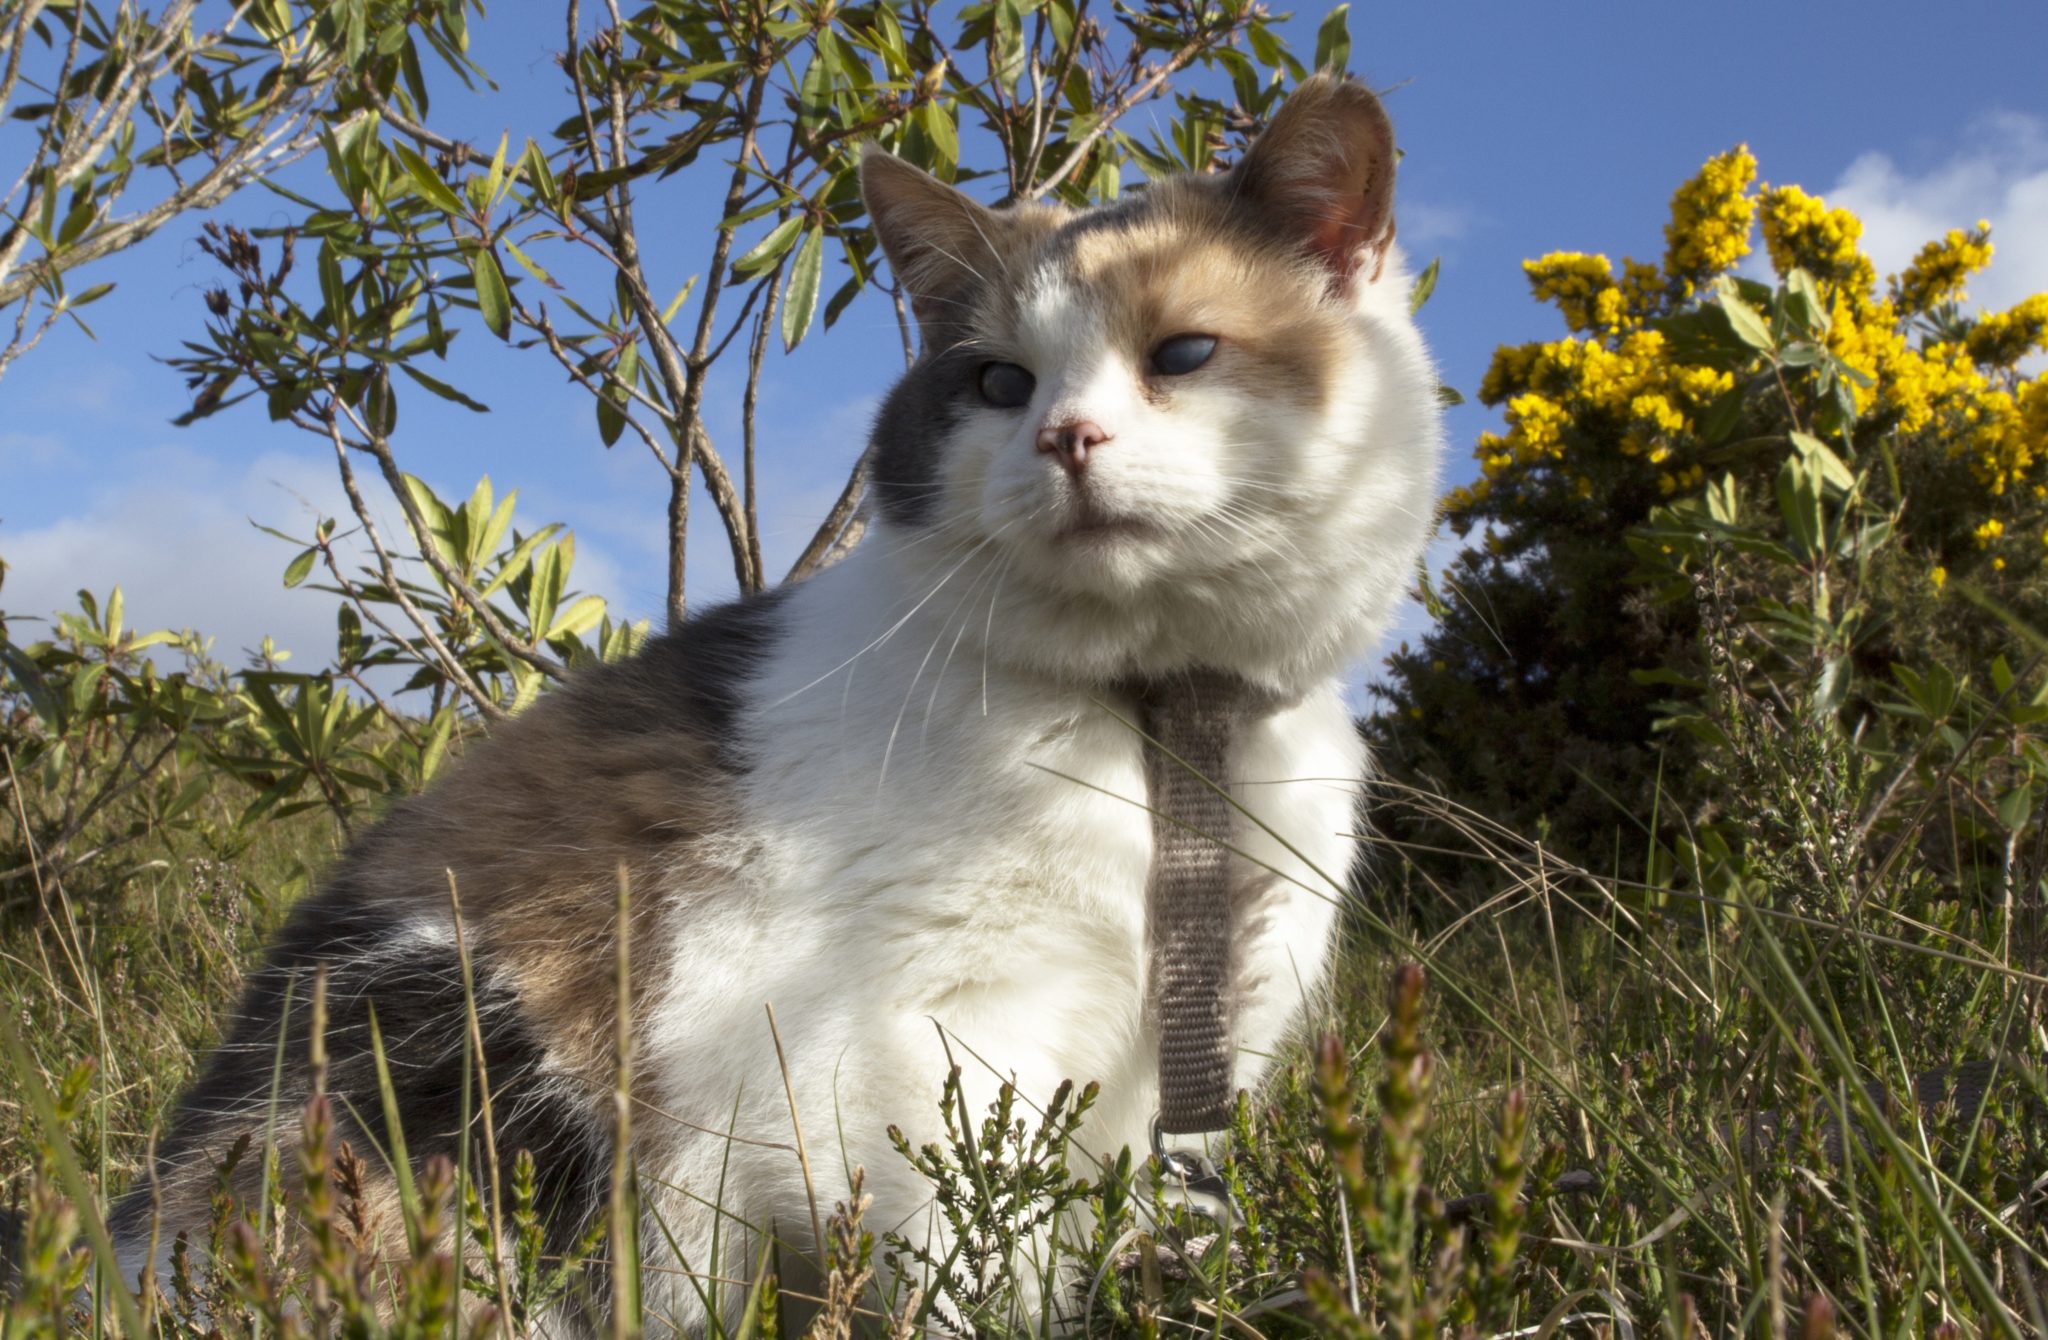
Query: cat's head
x,y
1196,425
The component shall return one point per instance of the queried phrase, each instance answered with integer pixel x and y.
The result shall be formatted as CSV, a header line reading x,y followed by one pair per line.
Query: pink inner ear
x,y
1340,242
1347,231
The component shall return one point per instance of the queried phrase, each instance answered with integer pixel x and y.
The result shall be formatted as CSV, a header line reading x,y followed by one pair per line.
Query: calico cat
x,y
902,801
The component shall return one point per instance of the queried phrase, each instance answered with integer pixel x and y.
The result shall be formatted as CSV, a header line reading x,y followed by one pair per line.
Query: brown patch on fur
x,y
622,768
1185,266
1184,259
535,829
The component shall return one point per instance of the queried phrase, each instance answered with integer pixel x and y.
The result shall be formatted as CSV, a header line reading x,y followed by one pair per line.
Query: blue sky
x,y
1527,129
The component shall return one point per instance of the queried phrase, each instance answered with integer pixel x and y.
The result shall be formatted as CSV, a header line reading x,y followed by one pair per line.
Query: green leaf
x,y
2016,807
427,181
493,299
1333,40
1425,283
496,176
938,123
443,389
1265,46
435,747
540,176
1448,395
527,264
1749,326
611,419
297,570
1799,506
800,304
581,616
770,248
380,405
334,290
1662,677
433,511
675,304
1805,302
1829,466
1831,689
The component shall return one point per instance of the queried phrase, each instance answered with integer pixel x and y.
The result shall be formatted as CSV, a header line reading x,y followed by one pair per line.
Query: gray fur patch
x,y
911,432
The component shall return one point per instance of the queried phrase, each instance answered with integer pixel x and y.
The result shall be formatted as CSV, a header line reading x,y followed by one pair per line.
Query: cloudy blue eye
x,y
1006,386
1182,354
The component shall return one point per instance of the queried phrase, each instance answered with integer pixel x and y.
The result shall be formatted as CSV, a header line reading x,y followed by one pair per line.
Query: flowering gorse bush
x,y
1627,386
1857,464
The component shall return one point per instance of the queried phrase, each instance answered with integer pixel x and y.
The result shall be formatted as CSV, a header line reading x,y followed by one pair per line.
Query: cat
x,y
902,801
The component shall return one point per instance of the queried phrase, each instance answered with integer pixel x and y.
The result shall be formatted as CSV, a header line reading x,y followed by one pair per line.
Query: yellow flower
x,y
1642,289
1710,219
1658,411
2002,339
1919,383
1512,370
1939,577
2012,434
1801,231
1583,288
1866,337
1937,274
1988,532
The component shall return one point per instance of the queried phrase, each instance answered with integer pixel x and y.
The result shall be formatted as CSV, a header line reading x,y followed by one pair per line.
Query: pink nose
x,y
1071,442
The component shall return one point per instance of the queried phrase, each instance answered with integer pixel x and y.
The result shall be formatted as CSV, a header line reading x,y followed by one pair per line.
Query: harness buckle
x,y
1188,1178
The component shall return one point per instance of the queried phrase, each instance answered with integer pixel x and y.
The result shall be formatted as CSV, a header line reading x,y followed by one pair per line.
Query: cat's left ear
x,y
1323,172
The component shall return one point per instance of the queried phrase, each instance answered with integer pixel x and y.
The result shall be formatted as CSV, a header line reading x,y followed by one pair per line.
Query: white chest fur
x,y
945,861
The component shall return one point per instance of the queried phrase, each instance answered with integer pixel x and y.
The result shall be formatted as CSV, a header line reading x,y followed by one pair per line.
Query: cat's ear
x,y
938,241
1323,172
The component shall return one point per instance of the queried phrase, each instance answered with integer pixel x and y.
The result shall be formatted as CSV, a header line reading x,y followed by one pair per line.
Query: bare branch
x,y
824,542
749,401
1144,89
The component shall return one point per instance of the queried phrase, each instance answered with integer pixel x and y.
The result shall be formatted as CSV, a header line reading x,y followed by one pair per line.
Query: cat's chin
x,y
1105,557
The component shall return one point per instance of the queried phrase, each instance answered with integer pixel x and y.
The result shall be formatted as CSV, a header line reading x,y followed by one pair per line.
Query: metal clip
x,y
1187,1178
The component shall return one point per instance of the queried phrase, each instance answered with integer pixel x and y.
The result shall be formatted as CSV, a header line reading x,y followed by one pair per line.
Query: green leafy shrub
x,y
1831,496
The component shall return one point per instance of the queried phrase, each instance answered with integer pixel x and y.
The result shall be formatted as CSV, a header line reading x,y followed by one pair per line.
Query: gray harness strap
x,y
1193,717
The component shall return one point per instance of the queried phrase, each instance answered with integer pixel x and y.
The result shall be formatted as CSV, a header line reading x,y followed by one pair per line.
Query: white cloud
x,y
1424,223
176,535
2000,175
31,451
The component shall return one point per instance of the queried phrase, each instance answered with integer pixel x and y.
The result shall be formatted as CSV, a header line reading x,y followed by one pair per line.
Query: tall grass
x,y
1538,1099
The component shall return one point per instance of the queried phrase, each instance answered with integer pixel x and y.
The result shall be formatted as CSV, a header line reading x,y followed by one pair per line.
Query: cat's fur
x,y
895,799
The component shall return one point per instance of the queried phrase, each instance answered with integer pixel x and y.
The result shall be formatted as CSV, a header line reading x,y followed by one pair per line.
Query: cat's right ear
x,y
939,242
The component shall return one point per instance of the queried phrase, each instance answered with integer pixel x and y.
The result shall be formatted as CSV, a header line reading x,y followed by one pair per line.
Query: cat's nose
x,y
1072,442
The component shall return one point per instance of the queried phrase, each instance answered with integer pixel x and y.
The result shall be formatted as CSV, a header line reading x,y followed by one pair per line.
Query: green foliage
x,y
1815,487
